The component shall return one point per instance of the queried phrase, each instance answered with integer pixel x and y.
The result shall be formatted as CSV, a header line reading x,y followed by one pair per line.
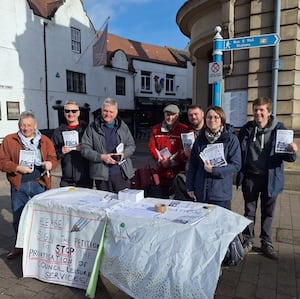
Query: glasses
x,y
68,111
213,117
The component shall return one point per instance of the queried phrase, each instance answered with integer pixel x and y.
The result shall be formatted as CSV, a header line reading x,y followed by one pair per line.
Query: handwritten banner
x,y
62,246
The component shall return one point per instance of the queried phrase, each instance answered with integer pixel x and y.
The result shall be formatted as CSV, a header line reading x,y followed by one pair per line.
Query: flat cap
x,y
172,109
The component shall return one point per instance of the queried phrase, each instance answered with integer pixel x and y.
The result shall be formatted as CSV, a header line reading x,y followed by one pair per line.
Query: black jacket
x,y
74,167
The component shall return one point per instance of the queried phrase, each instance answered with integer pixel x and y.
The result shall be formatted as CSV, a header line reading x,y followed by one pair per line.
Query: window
x,y
76,40
13,110
170,83
120,86
76,82
145,81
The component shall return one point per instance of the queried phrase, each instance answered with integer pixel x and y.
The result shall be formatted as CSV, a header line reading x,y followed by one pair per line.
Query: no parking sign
x,y
215,72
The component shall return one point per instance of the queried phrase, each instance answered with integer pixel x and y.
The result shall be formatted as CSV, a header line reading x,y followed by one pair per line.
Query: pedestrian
x,y
196,122
165,146
67,141
27,157
262,172
108,145
210,181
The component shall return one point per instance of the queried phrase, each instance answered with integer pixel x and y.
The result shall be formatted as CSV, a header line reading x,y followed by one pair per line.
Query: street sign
x,y
215,72
247,42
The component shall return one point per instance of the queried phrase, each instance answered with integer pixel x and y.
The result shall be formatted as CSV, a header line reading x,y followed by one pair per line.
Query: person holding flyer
x,y
108,145
215,158
27,157
262,172
165,146
195,116
67,139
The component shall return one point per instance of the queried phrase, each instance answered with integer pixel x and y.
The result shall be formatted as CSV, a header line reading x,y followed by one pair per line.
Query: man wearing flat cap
x,y
166,148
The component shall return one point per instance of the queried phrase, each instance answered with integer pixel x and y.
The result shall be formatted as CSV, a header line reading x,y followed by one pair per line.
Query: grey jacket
x,y
93,145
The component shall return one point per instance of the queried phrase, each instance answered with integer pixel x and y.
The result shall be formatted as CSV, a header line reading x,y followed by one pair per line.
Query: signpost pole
x,y
217,57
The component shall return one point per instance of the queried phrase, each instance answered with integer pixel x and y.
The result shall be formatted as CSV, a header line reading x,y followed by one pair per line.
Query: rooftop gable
x,y
141,51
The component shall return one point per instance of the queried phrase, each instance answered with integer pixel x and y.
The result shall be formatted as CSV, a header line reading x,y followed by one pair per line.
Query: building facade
x,y
247,73
46,58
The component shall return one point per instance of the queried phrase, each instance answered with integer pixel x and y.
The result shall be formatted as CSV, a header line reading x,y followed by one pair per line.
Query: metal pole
x,y
46,76
217,57
275,63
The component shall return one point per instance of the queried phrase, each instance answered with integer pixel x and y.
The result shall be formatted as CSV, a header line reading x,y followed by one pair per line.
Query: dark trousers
x,y
115,184
253,187
84,183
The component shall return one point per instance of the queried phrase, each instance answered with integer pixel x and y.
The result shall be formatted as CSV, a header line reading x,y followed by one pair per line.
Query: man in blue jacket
x,y
262,172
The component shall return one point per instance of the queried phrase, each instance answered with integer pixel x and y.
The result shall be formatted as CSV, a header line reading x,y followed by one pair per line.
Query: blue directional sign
x,y
247,42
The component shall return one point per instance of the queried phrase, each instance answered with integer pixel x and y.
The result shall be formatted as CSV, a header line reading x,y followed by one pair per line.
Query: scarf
x,y
33,145
213,137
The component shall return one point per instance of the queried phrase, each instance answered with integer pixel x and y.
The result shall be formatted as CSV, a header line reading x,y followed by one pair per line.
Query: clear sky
x,y
148,21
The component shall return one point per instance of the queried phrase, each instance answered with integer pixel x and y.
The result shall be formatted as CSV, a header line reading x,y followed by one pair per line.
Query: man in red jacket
x,y
166,148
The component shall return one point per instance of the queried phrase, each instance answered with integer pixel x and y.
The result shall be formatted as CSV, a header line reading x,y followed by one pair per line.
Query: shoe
x,y
14,253
268,250
248,245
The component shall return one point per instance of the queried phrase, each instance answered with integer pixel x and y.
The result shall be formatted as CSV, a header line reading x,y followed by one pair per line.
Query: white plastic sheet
x,y
155,257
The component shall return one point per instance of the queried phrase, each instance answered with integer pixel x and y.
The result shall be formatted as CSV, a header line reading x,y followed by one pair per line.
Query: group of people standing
x,y
249,155
102,158
100,155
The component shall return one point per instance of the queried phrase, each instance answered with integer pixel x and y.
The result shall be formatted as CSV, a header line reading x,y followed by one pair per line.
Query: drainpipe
x,y
46,75
275,63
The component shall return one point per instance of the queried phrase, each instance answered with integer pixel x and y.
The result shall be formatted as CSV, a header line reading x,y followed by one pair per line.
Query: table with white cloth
x,y
176,254
60,232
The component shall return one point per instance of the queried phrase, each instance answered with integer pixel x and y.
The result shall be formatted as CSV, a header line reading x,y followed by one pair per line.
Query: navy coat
x,y
215,186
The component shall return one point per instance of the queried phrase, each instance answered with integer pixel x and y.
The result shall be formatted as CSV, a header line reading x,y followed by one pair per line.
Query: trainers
x,y
268,250
247,247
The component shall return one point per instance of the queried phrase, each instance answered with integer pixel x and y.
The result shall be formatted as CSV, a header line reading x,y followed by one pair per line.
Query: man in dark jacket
x,y
67,139
108,145
196,122
262,172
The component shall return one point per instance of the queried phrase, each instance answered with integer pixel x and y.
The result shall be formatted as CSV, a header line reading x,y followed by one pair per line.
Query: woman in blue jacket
x,y
207,181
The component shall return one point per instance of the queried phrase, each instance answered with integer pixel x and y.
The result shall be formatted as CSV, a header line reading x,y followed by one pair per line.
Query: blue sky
x,y
148,21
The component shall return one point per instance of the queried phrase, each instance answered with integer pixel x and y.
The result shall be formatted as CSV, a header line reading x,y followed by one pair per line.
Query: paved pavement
x,y
256,277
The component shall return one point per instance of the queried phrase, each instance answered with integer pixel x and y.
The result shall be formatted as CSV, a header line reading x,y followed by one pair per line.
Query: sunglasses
x,y
68,111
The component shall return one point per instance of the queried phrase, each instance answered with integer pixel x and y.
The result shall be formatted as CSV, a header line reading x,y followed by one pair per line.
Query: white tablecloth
x,y
159,257
60,231
177,254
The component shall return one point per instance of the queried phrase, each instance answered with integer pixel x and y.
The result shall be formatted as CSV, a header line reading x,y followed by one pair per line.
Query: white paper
x,y
283,139
215,154
188,140
71,139
27,158
164,153
120,148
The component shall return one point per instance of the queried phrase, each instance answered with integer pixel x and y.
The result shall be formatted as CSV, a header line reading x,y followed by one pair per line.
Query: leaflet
x,y
71,139
27,158
283,139
188,140
215,154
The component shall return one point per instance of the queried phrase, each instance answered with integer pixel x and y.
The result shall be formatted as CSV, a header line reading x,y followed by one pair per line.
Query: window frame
x,y
76,82
170,84
76,40
120,85
146,82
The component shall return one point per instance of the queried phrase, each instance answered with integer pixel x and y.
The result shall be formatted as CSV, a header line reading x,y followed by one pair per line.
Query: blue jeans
x,y
20,197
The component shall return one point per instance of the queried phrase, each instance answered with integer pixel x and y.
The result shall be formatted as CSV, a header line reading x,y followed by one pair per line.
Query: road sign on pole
x,y
247,42
215,72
